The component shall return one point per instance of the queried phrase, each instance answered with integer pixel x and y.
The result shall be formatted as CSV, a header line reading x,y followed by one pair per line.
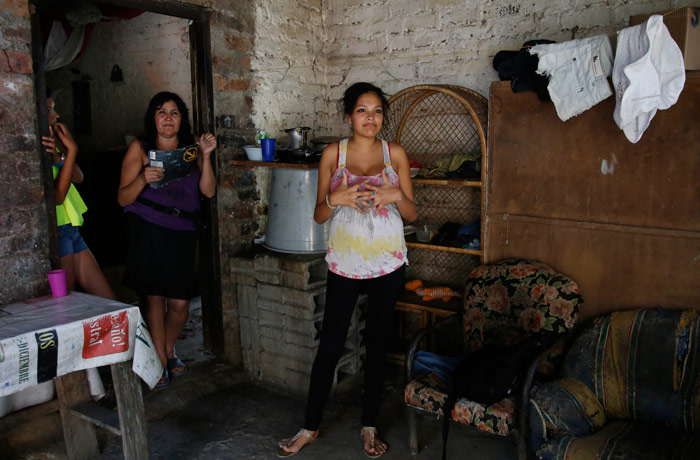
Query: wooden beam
x,y
79,434
132,418
98,415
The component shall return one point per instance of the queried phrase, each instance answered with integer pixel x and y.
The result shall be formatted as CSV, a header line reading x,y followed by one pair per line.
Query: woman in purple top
x,y
161,224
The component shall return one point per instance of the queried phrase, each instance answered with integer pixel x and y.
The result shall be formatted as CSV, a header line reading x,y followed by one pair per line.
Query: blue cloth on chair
x,y
442,366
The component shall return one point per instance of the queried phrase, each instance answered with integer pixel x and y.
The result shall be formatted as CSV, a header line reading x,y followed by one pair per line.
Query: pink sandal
x,y
373,438
302,432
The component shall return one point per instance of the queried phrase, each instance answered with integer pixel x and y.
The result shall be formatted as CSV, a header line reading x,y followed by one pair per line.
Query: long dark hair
x,y
353,93
184,136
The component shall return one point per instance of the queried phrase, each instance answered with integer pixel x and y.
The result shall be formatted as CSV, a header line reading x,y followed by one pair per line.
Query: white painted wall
x,y
308,52
289,86
153,52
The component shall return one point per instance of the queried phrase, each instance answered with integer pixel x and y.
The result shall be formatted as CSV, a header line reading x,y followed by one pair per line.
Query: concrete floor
x,y
213,413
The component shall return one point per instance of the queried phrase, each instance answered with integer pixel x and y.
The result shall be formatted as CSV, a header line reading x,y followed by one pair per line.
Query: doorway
x,y
128,51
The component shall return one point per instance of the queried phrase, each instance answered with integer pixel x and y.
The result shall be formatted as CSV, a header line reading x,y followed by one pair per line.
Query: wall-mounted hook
x,y
117,75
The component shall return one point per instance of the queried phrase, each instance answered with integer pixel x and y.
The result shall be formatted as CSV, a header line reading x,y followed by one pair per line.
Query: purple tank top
x,y
182,194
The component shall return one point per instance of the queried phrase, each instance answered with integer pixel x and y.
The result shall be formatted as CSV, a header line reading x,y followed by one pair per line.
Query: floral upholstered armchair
x,y
504,303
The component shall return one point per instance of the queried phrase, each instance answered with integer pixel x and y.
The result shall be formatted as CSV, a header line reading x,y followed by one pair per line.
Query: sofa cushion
x,y
642,365
506,302
427,392
623,440
565,406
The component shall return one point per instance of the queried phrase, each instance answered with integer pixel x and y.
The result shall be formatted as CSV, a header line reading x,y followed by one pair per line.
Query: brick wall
x,y
398,43
277,64
24,237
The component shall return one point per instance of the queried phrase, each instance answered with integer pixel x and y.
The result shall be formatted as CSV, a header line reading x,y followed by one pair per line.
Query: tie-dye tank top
x,y
360,245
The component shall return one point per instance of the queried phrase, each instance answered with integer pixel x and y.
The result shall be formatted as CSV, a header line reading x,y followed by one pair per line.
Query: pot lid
x,y
325,139
298,128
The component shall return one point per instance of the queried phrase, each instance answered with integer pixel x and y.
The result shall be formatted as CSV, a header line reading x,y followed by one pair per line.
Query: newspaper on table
x,y
50,337
177,163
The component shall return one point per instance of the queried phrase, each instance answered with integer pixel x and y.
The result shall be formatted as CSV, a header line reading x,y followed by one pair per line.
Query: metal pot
x,y
320,143
290,219
298,156
298,137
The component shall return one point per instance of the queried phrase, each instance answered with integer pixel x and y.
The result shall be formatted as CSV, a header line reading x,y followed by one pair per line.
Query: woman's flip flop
x,y
164,379
175,363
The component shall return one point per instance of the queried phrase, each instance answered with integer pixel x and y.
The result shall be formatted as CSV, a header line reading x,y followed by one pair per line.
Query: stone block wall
x,y
24,240
281,302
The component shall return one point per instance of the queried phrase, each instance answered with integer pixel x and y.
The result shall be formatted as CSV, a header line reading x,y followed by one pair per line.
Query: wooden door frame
x,y
203,120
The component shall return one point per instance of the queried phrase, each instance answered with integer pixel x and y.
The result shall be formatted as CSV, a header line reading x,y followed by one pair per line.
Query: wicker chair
x,y
504,303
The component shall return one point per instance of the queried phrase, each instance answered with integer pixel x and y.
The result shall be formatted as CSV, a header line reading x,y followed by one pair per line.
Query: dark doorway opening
x,y
130,50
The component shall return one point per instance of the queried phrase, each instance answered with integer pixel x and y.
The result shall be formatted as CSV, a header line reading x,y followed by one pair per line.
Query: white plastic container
x,y
254,152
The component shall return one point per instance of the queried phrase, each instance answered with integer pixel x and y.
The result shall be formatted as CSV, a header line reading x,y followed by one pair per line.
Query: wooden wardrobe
x,y
621,219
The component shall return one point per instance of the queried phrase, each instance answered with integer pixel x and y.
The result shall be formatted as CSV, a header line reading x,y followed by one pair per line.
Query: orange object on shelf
x,y
438,292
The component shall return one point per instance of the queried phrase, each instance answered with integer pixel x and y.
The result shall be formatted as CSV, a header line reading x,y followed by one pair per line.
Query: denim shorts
x,y
69,240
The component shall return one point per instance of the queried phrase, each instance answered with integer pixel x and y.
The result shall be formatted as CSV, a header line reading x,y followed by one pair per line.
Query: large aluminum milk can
x,y
290,220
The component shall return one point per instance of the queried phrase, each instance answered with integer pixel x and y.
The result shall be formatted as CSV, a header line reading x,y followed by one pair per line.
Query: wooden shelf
x,y
452,182
412,242
412,302
273,164
428,312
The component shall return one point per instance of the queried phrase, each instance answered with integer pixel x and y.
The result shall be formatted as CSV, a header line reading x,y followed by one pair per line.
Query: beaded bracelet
x,y
329,203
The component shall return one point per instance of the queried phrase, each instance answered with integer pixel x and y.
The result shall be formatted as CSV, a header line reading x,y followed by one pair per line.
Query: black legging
x,y
341,297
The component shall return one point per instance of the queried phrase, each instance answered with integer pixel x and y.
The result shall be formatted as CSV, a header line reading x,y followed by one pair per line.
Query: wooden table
x,y
57,338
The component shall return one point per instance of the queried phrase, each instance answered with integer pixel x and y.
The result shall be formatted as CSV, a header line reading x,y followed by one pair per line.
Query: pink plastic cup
x,y
57,280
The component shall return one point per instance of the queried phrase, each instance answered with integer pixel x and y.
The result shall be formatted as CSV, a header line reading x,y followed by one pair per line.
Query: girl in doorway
x,y
161,224
76,258
364,185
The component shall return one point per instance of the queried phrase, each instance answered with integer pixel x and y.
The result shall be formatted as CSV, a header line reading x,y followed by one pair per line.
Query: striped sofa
x,y
628,388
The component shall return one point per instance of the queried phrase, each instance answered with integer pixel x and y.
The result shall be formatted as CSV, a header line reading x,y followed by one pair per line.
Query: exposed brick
x,y
228,22
244,62
12,195
220,82
17,35
15,221
16,7
221,60
236,42
243,212
19,62
5,63
238,84
24,276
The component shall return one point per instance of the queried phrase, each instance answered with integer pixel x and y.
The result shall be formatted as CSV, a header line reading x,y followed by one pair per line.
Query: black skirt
x,y
160,261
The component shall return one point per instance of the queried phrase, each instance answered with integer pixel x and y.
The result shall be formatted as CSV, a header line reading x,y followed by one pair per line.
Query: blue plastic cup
x,y
268,149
